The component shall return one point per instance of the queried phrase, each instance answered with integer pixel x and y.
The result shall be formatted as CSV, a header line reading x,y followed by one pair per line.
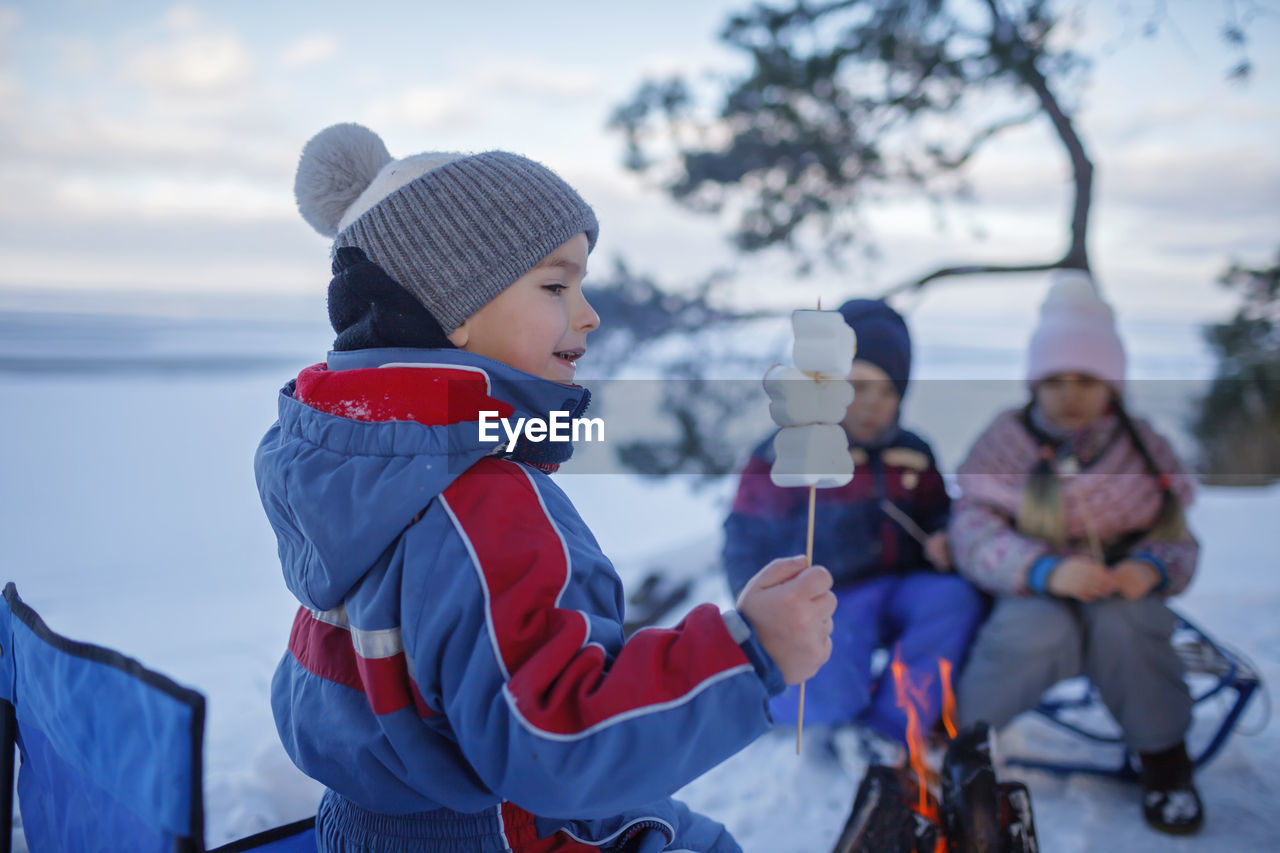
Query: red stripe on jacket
x,y
429,394
326,650
560,685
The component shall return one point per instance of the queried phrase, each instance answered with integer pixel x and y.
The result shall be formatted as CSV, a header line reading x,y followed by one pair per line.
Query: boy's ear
x,y
459,336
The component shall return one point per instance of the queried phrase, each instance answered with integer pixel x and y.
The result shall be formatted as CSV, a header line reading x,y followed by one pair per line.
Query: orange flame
x,y
908,698
948,698
911,697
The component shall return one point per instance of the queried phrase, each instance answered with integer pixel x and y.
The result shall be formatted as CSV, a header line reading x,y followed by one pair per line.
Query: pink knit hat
x,y
1076,333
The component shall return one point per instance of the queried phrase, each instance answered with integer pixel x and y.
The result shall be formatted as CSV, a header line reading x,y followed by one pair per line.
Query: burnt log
x,y
971,794
977,814
981,814
882,821
1016,821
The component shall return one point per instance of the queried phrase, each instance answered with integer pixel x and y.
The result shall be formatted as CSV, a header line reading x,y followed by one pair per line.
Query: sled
x,y
1221,681
111,752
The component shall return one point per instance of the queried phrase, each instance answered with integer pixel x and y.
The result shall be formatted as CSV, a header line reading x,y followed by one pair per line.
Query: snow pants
x,y
922,616
1030,643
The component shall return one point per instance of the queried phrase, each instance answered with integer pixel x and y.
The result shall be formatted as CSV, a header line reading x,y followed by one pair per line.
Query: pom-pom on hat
x,y
1076,333
881,338
452,229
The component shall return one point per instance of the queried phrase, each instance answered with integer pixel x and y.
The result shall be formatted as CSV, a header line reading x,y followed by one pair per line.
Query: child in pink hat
x,y
1071,516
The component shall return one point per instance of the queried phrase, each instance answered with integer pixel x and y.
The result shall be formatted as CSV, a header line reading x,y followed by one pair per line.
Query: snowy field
x,y
129,518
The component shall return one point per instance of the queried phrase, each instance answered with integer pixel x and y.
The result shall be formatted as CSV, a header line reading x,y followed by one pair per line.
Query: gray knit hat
x,y
455,230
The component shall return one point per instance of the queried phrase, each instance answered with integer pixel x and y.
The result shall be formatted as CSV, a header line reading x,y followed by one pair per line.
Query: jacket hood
x,y
364,443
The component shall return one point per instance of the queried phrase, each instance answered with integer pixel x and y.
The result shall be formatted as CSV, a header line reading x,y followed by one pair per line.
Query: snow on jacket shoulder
x,y
460,641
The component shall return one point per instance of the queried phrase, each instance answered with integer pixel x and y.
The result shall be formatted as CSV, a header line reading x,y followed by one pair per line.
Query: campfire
x,y
962,808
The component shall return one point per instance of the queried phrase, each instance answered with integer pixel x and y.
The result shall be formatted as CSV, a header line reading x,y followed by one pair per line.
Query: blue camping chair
x,y
1221,681
112,752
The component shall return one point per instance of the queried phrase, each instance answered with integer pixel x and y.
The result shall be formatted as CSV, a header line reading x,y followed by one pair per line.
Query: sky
x,y
150,146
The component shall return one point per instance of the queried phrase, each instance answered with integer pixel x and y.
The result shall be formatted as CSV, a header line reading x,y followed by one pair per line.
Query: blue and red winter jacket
x,y
854,538
459,642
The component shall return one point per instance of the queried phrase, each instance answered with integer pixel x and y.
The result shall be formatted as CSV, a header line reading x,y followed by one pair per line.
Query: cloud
x,y
309,50
10,96
206,141
58,138
193,59
489,90
1202,115
530,80
10,20
142,269
1226,182
665,64
40,197
76,57
430,107
205,115
204,253
162,198
10,88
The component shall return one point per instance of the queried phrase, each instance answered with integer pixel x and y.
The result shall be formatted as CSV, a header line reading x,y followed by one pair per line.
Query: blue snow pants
x,y
924,616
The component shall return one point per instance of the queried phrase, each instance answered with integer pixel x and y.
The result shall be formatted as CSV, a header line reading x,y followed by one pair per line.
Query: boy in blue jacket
x,y
882,538
457,675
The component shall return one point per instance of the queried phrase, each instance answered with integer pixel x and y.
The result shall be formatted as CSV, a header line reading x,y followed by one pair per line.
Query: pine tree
x,y
1239,420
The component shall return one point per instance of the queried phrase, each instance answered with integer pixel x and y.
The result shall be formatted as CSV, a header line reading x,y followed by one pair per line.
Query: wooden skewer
x,y
1091,531
808,554
904,521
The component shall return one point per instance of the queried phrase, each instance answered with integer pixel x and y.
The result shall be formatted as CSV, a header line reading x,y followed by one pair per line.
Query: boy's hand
x,y
938,551
1082,578
1135,578
790,604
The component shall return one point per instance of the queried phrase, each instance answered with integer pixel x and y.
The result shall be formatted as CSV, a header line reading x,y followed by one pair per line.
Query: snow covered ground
x,y
129,518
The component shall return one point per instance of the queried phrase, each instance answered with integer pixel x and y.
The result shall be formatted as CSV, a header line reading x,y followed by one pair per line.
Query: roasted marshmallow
x,y
811,455
796,398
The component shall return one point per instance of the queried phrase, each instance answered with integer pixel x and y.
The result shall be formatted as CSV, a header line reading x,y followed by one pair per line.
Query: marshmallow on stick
x,y
811,455
796,398
808,402
824,343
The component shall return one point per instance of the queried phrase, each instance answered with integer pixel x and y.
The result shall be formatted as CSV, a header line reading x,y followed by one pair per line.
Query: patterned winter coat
x,y
1114,493
853,535
459,642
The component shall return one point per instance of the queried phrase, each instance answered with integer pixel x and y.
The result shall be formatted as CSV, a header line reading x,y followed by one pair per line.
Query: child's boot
x,y
1170,801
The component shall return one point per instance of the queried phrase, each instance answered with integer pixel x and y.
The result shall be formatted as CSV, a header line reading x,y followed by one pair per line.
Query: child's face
x,y
540,323
875,402
1073,400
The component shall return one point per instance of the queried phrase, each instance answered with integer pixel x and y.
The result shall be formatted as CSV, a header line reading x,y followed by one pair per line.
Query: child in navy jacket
x,y
882,536
457,675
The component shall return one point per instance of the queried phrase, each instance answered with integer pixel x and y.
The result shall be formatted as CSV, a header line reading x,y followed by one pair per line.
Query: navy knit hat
x,y
453,230
883,338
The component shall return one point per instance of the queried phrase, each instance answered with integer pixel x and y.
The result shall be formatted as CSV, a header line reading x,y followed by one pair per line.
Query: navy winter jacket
x,y
459,642
854,538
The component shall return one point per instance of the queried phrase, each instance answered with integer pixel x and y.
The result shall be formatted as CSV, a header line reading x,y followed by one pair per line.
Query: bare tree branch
x,y
1081,167
973,269
983,136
